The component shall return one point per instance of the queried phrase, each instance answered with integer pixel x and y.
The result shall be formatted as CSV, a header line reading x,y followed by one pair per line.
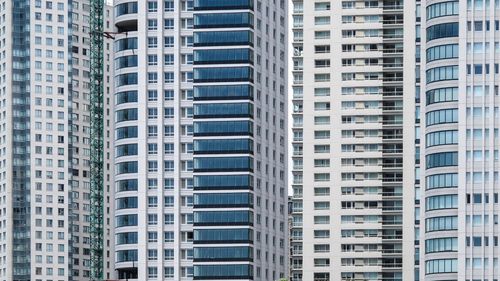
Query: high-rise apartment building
x,y
200,139
296,136
240,140
44,142
460,134
353,149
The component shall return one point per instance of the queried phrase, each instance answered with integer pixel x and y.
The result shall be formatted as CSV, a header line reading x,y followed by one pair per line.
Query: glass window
x,y
126,185
221,128
223,56
126,150
441,266
223,146
126,79
222,4
126,203
126,132
441,95
232,235
442,159
223,218
126,220
223,164
128,114
442,116
126,238
126,8
219,20
223,74
126,255
125,97
126,61
441,138
441,223
441,202
221,38
206,110
223,92
448,244
442,9
223,271
442,30
223,253
442,73
126,167
442,52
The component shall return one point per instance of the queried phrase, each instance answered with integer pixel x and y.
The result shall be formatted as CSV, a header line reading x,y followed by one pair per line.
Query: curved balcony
x,y
126,16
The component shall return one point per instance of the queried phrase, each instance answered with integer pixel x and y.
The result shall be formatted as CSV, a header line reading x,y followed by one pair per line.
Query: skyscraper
x,y
240,140
353,145
238,175
460,65
296,123
44,141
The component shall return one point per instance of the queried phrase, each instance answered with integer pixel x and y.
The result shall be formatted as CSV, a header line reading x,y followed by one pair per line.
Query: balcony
x,y
392,7
296,266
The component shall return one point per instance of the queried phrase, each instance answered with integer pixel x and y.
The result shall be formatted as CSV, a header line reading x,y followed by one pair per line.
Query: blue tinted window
x,y
223,164
126,8
223,20
223,199
220,38
126,203
126,185
126,132
223,146
449,180
222,4
223,271
126,238
126,79
442,30
126,220
442,116
223,218
126,61
442,52
126,150
223,74
126,255
223,56
449,201
442,9
441,223
223,182
125,44
441,138
223,92
126,114
125,97
223,128
442,159
442,73
126,167
448,244
442,95
441,266
223,235
223,253
206,110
